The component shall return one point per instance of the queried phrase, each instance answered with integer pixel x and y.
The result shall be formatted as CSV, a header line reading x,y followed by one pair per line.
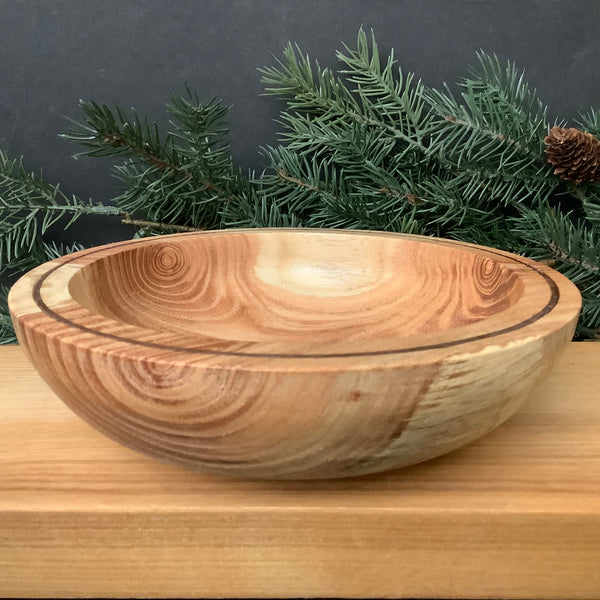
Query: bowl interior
x,y
320,287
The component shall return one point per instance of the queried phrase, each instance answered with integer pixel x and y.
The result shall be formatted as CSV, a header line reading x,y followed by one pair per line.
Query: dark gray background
x,y
136,53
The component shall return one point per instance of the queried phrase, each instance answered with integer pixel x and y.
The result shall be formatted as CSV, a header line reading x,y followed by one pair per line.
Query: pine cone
x,y
574,153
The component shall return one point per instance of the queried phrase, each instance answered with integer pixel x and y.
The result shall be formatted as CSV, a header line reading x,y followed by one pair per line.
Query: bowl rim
x,y
27,295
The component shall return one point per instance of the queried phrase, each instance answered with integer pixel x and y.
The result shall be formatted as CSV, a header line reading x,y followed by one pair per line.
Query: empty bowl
x,y
293,353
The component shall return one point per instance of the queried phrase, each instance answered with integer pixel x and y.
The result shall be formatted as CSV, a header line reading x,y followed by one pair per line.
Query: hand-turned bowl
x,y
293,353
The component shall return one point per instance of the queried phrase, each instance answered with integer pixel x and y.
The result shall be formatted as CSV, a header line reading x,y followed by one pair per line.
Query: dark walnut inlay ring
x,y
202,288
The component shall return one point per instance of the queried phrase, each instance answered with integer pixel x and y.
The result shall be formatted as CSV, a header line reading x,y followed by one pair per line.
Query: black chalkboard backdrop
x,y
138,52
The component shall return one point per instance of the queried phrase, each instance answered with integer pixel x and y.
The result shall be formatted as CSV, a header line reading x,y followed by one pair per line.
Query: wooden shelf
x,y
515,515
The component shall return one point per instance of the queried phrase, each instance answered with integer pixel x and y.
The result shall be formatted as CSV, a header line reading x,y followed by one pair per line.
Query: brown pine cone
x,y
574,153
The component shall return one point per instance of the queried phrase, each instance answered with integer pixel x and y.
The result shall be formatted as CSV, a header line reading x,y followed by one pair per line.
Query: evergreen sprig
x,y
28,207
376,149
7,332
176,181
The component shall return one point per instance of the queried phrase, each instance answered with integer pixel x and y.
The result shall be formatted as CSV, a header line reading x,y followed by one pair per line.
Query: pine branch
x,y
571,247
388,97
339,148
590,122
284,176
7,332
129,220
261,211
588,197
301,194
562,256
29,206
500,124
371,143
319,95
315,92
182,178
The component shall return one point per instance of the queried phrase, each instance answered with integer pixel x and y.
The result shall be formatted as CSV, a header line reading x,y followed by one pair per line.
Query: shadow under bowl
x,y
293,353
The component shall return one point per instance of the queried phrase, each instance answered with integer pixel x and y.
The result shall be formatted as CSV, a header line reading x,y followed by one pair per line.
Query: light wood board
x,y
514,515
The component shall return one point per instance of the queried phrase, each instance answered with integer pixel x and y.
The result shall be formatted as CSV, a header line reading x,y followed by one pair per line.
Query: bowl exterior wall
x,y
293,425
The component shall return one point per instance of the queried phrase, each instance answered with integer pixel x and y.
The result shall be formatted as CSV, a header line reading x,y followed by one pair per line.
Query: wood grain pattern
x,y
294,354
513,515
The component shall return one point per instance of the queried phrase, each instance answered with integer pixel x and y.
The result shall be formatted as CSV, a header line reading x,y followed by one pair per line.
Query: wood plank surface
x,y
514,515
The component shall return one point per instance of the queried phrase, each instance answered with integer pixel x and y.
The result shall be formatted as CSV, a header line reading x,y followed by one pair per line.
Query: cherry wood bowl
x,y
293,353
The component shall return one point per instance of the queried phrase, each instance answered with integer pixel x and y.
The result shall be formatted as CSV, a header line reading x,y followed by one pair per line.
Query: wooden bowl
x,y
291,353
